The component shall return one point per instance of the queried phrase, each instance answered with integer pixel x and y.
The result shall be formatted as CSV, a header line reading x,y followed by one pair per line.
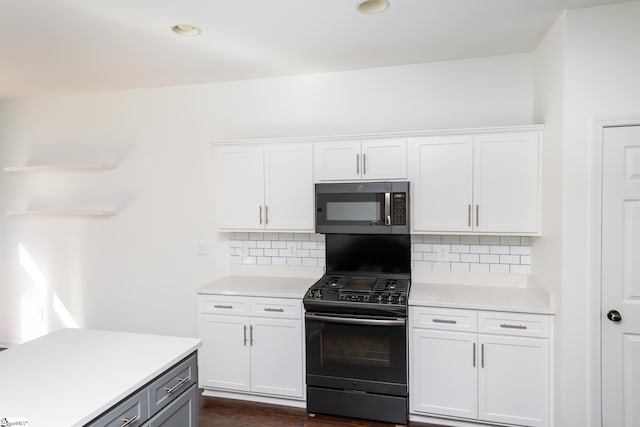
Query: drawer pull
x,y
181,382
276,310
245,335
451,322
223,306
128,422
474,355
508,326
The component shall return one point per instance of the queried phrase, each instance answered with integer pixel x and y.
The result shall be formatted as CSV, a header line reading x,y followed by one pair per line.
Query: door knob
x,y
614,316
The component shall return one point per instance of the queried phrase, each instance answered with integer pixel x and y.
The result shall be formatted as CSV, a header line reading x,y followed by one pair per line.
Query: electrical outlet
x,y
291,248
442,253
202,248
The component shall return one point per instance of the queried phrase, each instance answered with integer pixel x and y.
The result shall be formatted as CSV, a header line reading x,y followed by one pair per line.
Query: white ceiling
x,y
54,46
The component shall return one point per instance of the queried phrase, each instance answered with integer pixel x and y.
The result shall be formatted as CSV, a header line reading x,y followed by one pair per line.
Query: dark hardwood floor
x,y
217,412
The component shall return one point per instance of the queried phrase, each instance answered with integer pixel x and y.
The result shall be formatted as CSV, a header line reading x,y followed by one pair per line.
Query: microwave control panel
x,y
399,209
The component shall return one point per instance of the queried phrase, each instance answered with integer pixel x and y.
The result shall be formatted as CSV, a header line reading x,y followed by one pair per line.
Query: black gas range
x,y
359,295
356,329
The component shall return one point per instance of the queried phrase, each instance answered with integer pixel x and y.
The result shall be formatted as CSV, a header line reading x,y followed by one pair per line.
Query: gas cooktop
x,y
359,294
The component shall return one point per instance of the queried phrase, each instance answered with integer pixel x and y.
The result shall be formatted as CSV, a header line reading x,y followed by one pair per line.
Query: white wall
x,y
549,109
602,66
4,300
137,271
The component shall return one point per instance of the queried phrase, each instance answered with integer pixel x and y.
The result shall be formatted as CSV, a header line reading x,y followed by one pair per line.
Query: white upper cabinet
x,y
264,186
378,159
483,183
505,186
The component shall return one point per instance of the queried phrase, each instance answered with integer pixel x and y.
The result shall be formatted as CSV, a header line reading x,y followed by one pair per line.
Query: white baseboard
x,y
255,398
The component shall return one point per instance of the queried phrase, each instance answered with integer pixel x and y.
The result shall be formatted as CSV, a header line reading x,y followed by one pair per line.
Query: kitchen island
x,y
71,376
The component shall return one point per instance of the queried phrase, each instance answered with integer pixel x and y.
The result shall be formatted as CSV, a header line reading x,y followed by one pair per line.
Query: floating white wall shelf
x,y
60,167
65,212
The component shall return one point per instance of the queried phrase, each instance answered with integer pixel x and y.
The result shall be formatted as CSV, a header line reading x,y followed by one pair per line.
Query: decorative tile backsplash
x,y
495,254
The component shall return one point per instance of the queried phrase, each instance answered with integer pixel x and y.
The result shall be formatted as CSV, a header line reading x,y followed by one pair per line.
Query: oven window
x,y
362,351
353,211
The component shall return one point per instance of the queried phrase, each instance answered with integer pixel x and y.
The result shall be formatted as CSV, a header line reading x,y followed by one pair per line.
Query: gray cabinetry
x,y
169,400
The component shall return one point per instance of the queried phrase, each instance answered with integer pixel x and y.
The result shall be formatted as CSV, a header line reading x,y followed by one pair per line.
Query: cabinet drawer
x,y
526,325
132,412
171,384
444,319
182,412
276,307
220,304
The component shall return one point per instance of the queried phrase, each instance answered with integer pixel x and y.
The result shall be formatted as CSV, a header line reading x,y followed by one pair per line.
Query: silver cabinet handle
x,y
357,164
474,355
469,215
482,355
223,306
245,335
181,382
266,214
477,215
251,335
451,322
507,326
364,163
277,310
387,208
129,421
260,214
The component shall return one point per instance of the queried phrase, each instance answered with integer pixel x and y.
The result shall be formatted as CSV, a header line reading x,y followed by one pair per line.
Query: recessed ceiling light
x,y
372,6
186,30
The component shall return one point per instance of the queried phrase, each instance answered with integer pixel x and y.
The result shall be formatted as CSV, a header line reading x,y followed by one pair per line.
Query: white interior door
x,y
621,277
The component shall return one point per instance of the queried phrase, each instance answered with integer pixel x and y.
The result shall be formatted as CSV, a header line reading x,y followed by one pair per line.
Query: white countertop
x,y
260,286
479,297
69,377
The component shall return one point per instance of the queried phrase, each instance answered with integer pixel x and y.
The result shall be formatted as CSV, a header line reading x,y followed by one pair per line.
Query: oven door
x,y
357,353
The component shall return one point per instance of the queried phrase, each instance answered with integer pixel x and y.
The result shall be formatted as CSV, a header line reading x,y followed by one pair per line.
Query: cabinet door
x,y
384,159
443,373
514,380
442,183
337,161
506,182
289,191
239,186
182,412
276,357
224,357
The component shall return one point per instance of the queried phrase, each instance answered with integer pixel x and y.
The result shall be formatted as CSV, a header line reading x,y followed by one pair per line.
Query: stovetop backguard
x,y
367,254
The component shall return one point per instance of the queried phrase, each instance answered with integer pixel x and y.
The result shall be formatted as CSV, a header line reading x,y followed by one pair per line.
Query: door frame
x,y
595,256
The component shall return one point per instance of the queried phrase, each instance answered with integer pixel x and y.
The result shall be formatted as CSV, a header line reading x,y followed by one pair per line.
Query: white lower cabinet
x,y
257,348
499,372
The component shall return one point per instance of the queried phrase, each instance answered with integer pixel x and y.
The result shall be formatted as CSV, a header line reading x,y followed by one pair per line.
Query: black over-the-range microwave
x,y
363,208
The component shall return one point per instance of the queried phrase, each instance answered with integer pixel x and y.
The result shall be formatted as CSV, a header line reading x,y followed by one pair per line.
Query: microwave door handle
x,y
387,208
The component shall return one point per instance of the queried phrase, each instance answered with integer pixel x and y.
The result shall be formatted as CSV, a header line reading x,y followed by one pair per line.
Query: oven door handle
x,y
357,321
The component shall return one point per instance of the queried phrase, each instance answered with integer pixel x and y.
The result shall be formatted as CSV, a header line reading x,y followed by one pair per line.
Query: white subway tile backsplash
x,y
442,266
460,249
470,240
520,269
490,259
489,240
460,266
509,240
500,250
256,252
498,268
469,258
500,254
520,250
479,268
423,247
479,249
509,259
